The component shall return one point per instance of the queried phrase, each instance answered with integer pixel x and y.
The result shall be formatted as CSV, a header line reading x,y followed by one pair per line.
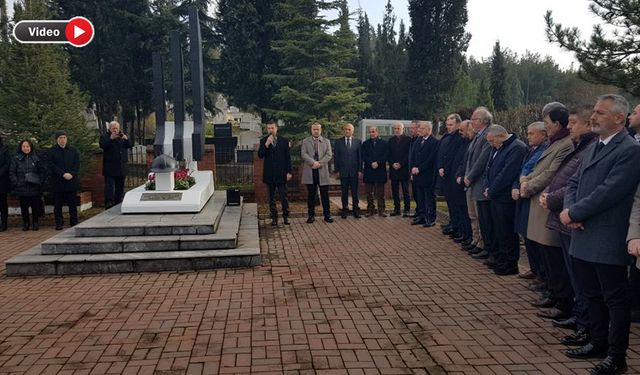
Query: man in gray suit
x,y
597,207
316,154
475,177
348,162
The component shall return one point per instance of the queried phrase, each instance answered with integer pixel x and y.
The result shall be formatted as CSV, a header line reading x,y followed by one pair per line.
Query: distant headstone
x,y
222,130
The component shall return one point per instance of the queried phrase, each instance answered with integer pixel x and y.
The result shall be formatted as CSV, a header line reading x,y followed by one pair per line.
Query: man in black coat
x,y
450,155
348,162
413,133
5,163
503,168
277,170
597,205
399,146
115,157
64,167
423,173
374,157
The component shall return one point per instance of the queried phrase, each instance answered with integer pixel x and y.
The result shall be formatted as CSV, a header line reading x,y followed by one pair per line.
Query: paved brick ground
x,y
387,299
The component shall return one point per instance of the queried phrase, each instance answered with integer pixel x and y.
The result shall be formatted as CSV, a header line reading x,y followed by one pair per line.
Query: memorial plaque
x,y
160,197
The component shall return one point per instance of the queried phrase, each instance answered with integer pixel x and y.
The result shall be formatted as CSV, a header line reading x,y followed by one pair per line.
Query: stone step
x,y
112,223
246,254
225,238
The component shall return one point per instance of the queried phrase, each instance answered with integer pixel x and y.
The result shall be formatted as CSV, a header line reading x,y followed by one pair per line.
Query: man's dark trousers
x,y
606,291
485,222
580,305
505,240
324,196
426,205
113,190
395,191
282,191
68,198
347,183
558,277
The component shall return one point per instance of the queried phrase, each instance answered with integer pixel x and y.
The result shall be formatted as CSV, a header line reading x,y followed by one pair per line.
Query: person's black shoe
x,y
328,219
565,323
369,214
35,226
580,337
25,226
467,241
395,213
58,227
343,214
544,303
274,221
610,365
417,221
635,316
468,247
475,250
310,219
459,239
406,214
356,214
506,271
484,254
428,224
382,214
3,226
587,352
285,220
553,313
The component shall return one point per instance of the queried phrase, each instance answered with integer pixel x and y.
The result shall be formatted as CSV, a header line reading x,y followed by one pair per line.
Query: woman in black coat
x,y
27,178
5,164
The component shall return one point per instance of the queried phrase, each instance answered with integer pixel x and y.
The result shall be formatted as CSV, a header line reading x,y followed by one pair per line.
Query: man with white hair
x,y
115,157
399,146
598,204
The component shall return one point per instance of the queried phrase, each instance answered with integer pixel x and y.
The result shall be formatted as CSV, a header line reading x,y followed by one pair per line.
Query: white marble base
x,y
192,200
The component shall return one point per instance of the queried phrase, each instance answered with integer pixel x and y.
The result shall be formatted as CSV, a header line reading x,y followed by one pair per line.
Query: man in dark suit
x,y
450,153
348,163
277,170
503,168
399,146
475,178
115,157
413,133
423,173
374,157
597,205
64,167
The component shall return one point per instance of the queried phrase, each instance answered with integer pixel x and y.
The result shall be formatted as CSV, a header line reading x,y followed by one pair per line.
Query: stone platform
x,y
226,236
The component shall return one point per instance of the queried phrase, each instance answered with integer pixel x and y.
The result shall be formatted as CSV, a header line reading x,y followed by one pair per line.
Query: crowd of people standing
x,y
569,193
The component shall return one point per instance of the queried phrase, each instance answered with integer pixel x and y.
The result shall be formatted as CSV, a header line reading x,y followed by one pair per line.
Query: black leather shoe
x,y
466,242
610,365
580,337
429,224
468,247
328,219
369,214
544,303
25,227
475,250
587,352
448,231
565,323
395,213
490,262
343,214
553,313
3,226
506,271
417,221
285,220
311,219
35,226
635,316
382,214
274,221
356,214
484,254
58,227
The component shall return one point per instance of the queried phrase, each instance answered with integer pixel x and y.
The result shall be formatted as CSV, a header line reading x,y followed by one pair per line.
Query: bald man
x,y
399,146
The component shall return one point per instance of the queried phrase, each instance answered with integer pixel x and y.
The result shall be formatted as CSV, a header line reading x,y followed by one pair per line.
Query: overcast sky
x,y
518,24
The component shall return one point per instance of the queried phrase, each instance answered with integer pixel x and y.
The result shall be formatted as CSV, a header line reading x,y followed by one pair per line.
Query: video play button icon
x,y
79,31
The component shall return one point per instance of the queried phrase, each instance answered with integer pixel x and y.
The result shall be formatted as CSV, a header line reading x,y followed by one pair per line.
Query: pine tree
x,y
498,78
436,47
311,83
245,56
484,96
4,22
37,96
612,59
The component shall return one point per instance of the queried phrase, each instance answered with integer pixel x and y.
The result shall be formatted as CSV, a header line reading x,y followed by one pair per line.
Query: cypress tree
x,y
498,78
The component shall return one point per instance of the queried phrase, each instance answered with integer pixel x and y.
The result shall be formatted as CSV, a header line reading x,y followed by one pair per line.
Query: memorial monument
x,y
181,141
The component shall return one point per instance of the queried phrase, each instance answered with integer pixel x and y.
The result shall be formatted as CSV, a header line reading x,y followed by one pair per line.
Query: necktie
x,y
316,148
599,147
349,143
275,140
422,142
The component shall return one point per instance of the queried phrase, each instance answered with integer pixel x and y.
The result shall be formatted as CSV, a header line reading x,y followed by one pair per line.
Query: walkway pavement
x,y
373,296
